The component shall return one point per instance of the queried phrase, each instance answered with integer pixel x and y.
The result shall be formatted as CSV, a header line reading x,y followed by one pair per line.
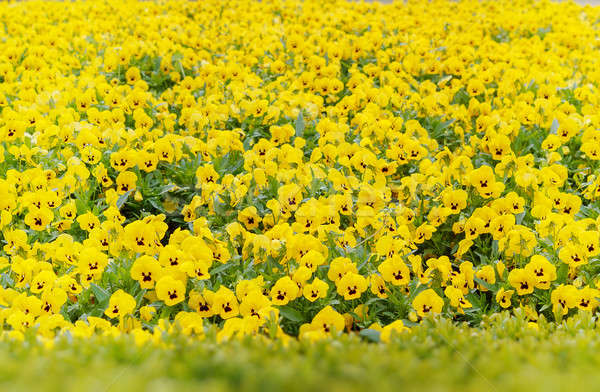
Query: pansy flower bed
x,y
296,169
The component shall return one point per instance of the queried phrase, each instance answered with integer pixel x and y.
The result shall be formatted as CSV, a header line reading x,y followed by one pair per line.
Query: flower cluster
x,y
295,168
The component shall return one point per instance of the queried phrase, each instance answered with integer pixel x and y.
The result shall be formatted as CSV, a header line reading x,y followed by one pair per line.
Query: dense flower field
x,y
295,169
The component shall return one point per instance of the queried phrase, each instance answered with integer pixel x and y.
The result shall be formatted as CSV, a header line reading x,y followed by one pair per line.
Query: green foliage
x,y
503,355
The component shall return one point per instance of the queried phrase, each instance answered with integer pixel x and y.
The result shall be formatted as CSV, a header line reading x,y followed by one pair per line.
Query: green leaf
x,y
371,335
219,206
167,188
177,56
101,294
291,314
300,125
561,274
123,198
221,268
554,126
483,283
156,205
230,163
139,297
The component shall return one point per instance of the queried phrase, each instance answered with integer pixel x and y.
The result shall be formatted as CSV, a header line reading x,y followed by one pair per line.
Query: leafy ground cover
x,y
504,355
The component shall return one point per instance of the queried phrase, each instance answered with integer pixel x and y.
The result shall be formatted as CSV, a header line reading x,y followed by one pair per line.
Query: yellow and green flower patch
x,y
296,171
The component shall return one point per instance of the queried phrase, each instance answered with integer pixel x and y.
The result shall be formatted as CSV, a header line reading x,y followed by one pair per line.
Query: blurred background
x,y
583,2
